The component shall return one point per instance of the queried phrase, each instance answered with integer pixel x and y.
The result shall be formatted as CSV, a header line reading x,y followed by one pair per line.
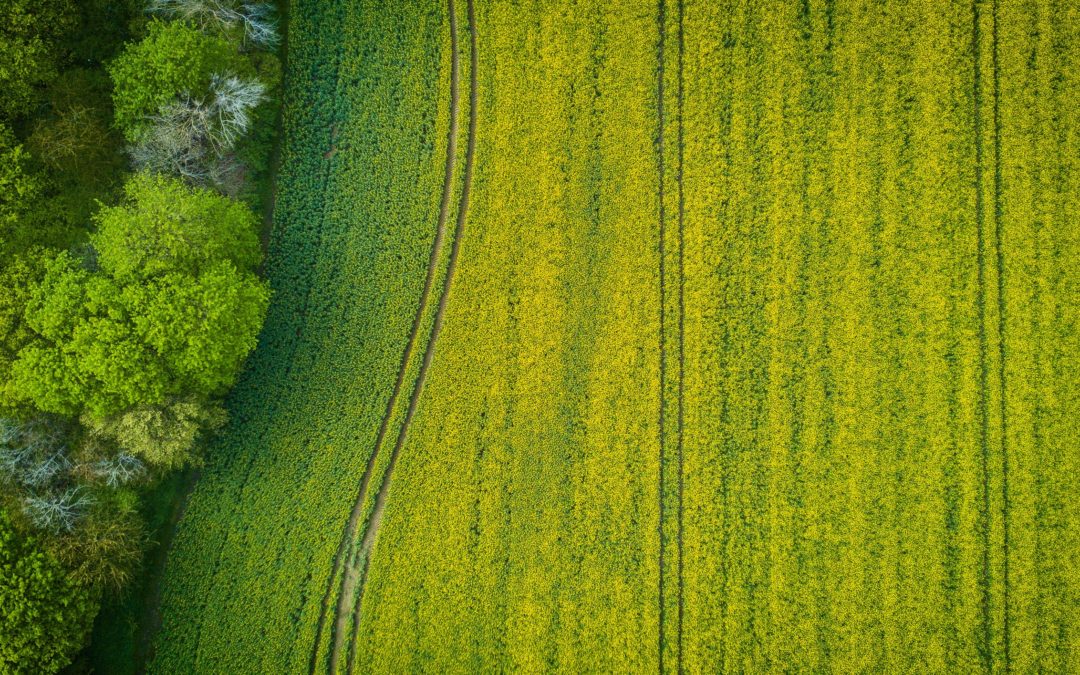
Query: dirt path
x,y
359,572
342,565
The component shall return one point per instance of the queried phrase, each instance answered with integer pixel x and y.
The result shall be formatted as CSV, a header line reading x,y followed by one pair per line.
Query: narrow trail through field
x,y
348,580
356,574
980,302
358,571
990,237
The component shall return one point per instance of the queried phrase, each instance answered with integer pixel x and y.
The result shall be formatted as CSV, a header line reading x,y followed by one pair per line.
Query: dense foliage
x,y
20,187
129,297
173,59
32,35
164,435
165,226
104,344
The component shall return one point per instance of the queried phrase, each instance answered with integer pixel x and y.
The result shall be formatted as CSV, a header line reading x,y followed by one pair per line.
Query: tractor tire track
x,y
680,416
661,22
358,573
353,524
665,246
1003,403
984,647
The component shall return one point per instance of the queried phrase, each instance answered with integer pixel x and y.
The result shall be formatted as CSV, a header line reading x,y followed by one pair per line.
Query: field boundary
x,y
353,524
367,544
150,616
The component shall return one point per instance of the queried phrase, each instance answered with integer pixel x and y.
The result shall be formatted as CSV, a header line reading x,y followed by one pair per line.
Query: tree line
x,y
135,138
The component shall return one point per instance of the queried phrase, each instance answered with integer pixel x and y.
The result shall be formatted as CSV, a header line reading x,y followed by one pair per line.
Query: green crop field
x,y
625,336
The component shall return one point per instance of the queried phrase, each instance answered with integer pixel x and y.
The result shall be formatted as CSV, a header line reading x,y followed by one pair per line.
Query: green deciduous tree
x,y
166,436
44,615
172,59
105,348
166,226
20,188
201,326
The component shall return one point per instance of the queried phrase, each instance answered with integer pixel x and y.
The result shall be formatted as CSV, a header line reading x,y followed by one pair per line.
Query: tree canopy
x,y
105,346
165,226
30,54
174,58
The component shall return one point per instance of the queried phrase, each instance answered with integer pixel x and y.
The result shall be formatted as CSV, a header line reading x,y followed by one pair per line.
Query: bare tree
x,y
45,470
255,19
33,454
119,470
57,511
169,147
232,100
193,137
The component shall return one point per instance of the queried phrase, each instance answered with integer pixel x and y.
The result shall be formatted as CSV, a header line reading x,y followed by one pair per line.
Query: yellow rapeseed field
x,y
667,335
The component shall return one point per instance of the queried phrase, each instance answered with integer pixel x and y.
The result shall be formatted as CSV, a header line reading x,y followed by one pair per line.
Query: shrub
x,y
30,53
46,615
166,436
105,550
